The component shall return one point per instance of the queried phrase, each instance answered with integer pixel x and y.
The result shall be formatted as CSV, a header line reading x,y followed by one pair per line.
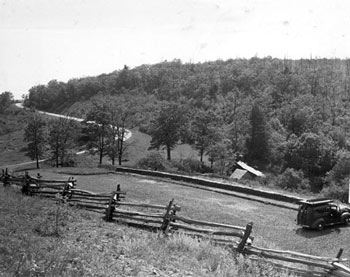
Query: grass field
x,y
273,226
41,238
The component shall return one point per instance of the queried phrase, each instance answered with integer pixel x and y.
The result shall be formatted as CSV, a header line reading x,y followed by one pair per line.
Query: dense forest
x,y
286,117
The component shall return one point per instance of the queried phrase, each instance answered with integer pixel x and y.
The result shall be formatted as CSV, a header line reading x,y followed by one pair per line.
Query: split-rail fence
x,y
167,220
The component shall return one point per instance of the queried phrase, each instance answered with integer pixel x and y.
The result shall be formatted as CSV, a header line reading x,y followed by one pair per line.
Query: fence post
x,y
118,193
26,185
111,206
166,220
246,235
340,252
6,178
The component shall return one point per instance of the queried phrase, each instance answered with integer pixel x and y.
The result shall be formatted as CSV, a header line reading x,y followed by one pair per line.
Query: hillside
x,y
282,116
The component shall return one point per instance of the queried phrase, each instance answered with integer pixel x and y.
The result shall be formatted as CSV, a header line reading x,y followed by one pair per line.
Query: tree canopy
x,y
165,127
266,109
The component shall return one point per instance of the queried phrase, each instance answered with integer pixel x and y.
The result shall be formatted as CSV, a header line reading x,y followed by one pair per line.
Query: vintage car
x,y
319,213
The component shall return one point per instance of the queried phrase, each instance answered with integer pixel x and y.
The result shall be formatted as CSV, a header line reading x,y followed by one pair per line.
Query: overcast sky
x,y
41,40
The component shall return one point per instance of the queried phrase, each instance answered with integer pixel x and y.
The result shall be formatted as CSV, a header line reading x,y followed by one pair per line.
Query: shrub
x,y
69,161
293,180
336,190
191,166
196,166
341,168
153,161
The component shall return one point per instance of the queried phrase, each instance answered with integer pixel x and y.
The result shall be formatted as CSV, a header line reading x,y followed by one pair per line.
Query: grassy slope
x,y
39,238
273,226
11,149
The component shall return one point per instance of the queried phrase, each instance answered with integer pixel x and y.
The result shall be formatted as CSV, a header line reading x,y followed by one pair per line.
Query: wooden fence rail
x,y
166,219
63,190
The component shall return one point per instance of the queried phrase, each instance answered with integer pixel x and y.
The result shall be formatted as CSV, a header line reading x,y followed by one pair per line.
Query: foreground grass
x,y
40,238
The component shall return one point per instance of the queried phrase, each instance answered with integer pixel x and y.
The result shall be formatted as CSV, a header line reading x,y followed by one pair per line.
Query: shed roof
x,y
250,169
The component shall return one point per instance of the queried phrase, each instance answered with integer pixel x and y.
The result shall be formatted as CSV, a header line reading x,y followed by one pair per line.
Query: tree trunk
x,y
36,151
37,162
120,147
101,147
101,155
168,150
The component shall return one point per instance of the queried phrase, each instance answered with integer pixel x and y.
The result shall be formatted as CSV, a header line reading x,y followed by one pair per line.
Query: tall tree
x,y
218,153
97,127
203,131
34,134
121,111
166,126
257,143
312,153
62,133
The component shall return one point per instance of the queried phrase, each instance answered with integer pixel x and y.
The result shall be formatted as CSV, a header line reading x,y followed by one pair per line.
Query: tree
x,y
341,169
219,154
166,126
312,153
34,134
6,99
97,127
121,110
203,131
62,133
257,143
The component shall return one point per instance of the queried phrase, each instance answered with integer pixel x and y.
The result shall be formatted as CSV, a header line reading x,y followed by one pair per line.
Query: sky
x,y
42,40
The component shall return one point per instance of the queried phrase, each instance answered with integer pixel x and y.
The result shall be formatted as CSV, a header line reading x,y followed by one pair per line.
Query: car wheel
x,y
347,220
320,226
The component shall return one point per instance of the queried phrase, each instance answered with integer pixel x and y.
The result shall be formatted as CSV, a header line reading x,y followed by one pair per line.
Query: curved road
x,y
127,135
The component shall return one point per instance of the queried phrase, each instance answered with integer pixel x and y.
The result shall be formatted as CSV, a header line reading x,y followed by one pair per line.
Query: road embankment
x,y
217,185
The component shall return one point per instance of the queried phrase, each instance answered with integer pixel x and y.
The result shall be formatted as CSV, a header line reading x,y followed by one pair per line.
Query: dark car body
x,y
319,213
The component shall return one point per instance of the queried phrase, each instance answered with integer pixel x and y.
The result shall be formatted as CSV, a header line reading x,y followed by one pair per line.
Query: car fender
x,y
344,217
317,222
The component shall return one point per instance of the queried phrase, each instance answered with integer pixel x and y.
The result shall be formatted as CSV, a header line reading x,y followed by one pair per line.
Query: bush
x,y
336,191
293,180
69,161
191,165
154,161
341,169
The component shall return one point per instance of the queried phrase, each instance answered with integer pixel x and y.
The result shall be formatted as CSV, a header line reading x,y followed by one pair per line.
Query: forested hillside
x,y
287,117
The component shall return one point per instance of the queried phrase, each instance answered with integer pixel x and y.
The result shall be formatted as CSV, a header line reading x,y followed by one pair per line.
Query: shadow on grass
x,y
312,233
150,228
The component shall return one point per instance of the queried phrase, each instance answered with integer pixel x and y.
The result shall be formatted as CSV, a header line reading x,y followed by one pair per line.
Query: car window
x,y
321,209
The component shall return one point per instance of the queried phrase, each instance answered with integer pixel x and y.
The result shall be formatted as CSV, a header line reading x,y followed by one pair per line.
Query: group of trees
x,y
6,99
276,114
103,131
107,121
50,139
11,118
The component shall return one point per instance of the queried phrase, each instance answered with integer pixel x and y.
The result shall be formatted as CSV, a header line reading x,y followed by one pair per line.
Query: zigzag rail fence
x,y
166,219
64,190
